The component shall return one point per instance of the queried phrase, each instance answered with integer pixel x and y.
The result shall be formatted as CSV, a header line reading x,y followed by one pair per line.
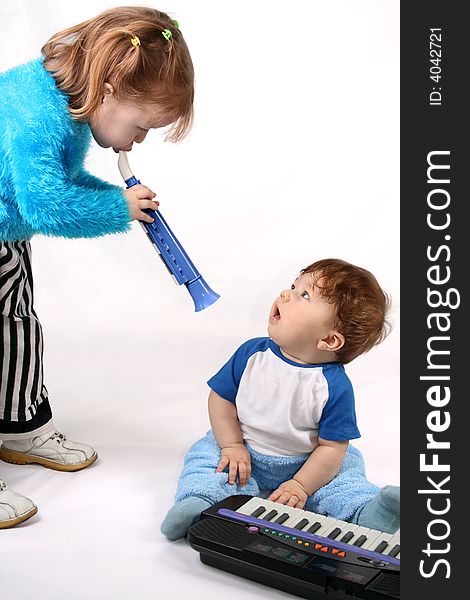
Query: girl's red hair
x,y
155,71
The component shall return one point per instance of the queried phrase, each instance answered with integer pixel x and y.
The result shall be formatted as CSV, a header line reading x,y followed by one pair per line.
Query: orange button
x,y
334,551
324,549
317,546
342,554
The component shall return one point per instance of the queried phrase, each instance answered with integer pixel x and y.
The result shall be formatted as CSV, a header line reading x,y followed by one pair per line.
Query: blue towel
x,y
340,498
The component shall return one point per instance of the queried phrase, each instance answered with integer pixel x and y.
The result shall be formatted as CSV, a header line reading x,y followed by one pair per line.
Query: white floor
x,y
96,535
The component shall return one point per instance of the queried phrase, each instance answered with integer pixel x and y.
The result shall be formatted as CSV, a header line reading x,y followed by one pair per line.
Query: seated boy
x,y
282,408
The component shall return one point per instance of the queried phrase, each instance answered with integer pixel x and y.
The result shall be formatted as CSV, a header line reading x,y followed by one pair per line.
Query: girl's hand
x,y
290,493
139,197
238,459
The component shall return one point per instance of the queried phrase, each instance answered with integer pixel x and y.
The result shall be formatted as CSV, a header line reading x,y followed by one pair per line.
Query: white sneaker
x,y
52,450
14,508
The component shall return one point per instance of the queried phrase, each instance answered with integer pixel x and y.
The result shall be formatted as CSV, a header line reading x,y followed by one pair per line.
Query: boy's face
x,y
119,124
301,323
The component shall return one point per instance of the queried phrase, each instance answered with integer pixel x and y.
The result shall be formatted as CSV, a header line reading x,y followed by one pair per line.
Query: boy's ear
x,y
332,342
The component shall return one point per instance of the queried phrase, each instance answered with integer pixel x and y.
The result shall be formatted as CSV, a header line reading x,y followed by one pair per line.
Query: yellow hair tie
x,y
135,41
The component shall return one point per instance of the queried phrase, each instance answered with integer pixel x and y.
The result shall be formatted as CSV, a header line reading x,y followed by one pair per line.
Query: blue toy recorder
x,y
170,250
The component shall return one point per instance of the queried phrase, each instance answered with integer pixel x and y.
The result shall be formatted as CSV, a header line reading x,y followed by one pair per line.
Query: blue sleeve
x,y
51,200
226,381
87,180
338,420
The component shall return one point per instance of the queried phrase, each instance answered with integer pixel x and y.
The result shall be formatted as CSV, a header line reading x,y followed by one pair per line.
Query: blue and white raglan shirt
x,y
284,406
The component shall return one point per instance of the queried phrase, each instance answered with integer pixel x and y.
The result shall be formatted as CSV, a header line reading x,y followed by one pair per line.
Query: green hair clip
x,y
166,33
176,24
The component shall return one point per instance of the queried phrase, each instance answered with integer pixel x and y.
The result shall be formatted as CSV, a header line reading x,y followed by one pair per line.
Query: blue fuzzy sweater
x,y
43,185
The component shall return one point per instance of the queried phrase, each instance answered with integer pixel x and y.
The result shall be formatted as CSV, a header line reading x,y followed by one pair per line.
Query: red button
x,y
342,554
334,551
324,549
317,546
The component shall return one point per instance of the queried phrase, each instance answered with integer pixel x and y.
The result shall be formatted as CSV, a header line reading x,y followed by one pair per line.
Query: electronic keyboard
x,y
298,551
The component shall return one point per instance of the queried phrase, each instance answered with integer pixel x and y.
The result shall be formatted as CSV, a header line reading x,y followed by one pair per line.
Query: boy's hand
x,y
290,493
238,459
139,197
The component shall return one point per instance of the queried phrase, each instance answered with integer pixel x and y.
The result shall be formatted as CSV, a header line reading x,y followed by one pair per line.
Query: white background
x,y
294,156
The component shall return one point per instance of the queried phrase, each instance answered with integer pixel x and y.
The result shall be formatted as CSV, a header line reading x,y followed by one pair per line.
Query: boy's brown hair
x,y
153,68
360,304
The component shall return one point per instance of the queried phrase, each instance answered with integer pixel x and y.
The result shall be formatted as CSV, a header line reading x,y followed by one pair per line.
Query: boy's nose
x,y
285,295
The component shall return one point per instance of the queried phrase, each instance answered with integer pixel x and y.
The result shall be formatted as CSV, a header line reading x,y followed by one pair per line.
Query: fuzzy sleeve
x,y
52,202
87,180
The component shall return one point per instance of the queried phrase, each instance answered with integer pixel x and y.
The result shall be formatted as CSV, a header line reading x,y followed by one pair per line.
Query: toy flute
x,y
170,250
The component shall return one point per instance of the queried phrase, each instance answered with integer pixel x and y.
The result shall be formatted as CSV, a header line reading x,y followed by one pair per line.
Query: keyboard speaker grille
x,y
221,532
387,584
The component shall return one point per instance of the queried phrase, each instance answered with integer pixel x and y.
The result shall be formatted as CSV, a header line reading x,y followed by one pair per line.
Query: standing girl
x,y
113,77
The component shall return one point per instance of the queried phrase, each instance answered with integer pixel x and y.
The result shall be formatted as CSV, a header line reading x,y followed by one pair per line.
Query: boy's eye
x,y
305,295
292,287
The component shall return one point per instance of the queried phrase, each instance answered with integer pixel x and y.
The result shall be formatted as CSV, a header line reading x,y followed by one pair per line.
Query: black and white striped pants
x,y
24,404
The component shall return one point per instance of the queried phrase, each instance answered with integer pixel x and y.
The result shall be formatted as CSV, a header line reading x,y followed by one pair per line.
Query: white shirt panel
x,y
279,405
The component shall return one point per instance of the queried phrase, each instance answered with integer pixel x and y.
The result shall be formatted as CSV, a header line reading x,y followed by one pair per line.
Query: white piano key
x,y
343,525
319,523
373,542
295,514
385,537
297,517
282,517
271,514
372,535
300,524
298,514
327,525
348,527
251,505
392,542
396,535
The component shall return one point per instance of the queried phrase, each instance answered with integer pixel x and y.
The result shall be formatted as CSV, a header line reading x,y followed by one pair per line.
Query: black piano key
x,y
315,527
258,511
347,536
282,518
381,547
334,534
271,514
360,540
395,550
301,524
